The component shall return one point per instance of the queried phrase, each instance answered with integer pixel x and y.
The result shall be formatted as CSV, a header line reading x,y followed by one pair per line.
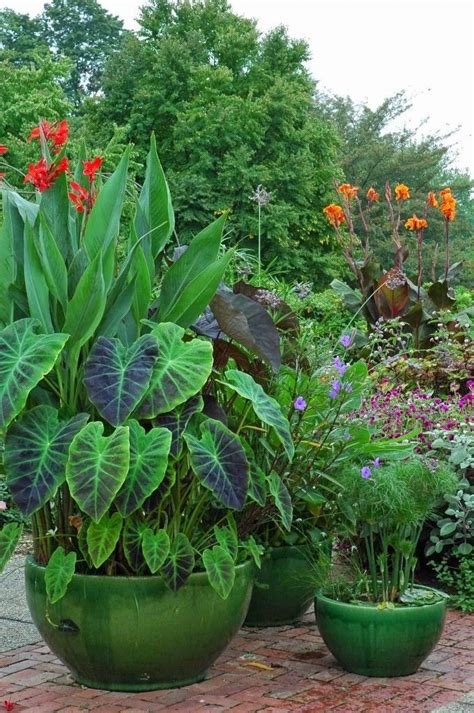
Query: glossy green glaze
x,y
133,633
284,586
379,642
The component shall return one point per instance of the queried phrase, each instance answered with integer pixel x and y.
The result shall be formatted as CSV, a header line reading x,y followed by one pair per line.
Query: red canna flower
x,y
80,197
57,132
91,167
43,176
3,149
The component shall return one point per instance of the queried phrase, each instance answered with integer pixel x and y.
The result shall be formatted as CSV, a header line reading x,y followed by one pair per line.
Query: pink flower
x,y
3,505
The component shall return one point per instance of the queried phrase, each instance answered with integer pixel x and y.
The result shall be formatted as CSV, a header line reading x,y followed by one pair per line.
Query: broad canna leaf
x,y
220,463
156,548
133,533
181,370
266,408
117,378
58,574
155,211
86,306
9,538
102,537
220,568
37,291
104,220
97,467
25,358
148,462
53,264
119,310
7,269
282,499
179,563
196,295
177,420
54,209
36,452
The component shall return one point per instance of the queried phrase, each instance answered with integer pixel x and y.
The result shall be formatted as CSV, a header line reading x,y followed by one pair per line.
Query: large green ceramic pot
x,y
135,634
284,586
380,642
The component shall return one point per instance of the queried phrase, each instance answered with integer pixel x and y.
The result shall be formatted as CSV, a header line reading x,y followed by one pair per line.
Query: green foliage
x,y
58,574
386,510
455,529
199,70
460,579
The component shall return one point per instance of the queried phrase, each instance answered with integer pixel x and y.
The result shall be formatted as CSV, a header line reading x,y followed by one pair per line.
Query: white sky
x,y
369,50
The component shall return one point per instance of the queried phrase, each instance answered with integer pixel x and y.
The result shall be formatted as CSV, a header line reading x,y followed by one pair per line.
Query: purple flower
x,y
340,366
345,340
365,472
299,403
335,389
376,462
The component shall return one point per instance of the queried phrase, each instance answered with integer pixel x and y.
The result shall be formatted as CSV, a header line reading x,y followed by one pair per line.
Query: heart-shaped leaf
x,y
181,370
9,536
148,462
25,357
156,547
58,573
257,487
266,408
248,323
282,499
180,562
116,378
255,550
227,538
177,420
220,463
102,537
133,533
220,568
36,452
97,467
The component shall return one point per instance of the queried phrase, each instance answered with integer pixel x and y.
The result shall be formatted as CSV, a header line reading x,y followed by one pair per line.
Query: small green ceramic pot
x,y
135,634
380,642
284,586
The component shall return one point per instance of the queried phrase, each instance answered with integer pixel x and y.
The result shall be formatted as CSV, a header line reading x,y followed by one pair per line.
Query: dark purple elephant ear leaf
x,y
117,378
220,463
36,452
179,563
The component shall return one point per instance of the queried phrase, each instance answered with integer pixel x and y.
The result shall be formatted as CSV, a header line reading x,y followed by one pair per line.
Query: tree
x,y
79,30
231,109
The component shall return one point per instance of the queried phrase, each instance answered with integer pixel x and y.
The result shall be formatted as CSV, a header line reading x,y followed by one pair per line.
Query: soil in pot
x,y
134,633
376,641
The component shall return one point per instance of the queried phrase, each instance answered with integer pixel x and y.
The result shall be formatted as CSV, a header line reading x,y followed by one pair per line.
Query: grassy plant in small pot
x,y
380,623
139,578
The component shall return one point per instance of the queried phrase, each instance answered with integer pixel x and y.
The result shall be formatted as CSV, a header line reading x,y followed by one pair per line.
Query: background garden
x,y
325,314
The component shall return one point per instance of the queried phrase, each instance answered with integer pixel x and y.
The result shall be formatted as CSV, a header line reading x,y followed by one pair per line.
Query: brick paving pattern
x,y
273,670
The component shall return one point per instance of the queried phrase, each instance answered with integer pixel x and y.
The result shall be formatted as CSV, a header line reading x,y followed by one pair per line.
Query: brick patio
x,y
274,670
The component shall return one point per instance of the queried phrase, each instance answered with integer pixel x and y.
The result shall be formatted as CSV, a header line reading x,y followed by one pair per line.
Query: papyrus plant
x,y
107,442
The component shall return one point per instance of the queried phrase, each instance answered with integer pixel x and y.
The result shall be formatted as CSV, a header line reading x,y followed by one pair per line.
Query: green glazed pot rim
x,y
195,576
400,608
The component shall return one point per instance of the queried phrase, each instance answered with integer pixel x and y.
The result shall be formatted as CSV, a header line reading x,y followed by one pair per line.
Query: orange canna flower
x,y
402,192
431,200
347,190
372,195
415,223
448,204
334,214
